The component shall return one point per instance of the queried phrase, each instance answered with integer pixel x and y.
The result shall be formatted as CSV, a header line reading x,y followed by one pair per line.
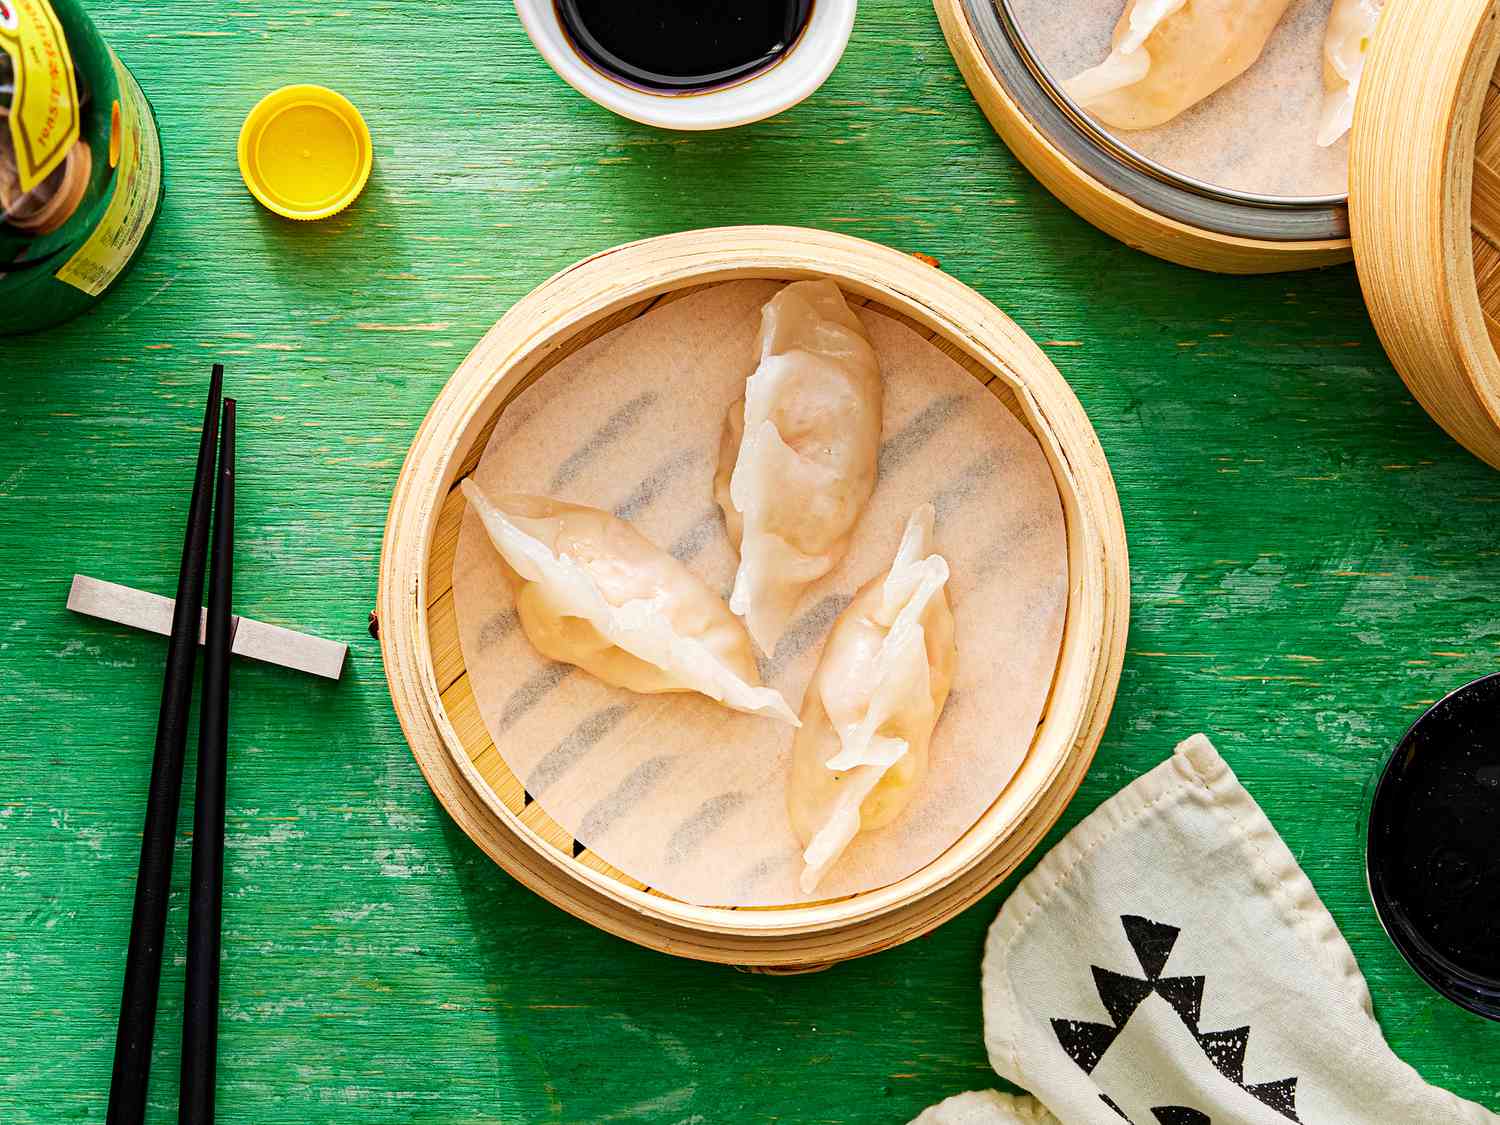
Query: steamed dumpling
x,y
1351,26
798,457
869,712
1171,54
593,591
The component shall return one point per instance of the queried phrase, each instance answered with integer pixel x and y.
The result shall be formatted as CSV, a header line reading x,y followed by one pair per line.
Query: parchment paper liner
x,y
672,789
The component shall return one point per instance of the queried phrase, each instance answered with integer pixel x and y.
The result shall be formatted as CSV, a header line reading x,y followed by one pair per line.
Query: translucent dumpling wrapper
x,y
798,458
1351,28
870,710
594,592
1168,55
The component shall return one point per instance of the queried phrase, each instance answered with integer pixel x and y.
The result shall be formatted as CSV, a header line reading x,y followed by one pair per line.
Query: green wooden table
x,y
1314,561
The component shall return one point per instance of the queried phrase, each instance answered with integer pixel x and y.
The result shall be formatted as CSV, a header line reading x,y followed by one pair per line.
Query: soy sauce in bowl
x,y
1434,847
683,46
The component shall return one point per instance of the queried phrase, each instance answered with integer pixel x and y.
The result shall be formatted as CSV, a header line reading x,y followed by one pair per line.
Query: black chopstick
x,y
200,1021
148,923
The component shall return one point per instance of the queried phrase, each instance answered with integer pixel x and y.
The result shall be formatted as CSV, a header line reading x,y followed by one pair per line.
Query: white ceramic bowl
x,y
796,75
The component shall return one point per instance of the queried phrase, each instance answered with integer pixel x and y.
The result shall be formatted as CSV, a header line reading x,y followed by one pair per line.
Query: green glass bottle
x,y
80,165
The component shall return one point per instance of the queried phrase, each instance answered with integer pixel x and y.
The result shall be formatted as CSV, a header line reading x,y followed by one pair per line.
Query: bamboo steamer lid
x,y
1423,207
424,662
1424,202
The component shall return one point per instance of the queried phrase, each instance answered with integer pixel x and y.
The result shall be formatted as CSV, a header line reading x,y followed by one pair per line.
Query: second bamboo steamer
x,y
1421,221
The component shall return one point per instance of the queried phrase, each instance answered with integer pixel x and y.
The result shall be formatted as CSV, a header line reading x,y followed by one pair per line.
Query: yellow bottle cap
x,y
305,152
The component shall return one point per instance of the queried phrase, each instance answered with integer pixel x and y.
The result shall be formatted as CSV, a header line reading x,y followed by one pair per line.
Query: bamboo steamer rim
x,y
602,286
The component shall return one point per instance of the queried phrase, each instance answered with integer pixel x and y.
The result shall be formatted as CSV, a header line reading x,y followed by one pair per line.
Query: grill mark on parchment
x,y
1000,553
618,801
710,817
497,628
757,873
695,538
655,483
615,426
530,693
945,500
803,633
899,447
577,743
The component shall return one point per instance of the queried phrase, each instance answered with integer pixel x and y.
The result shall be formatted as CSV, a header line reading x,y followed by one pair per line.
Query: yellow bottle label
x,y
113,243
44,113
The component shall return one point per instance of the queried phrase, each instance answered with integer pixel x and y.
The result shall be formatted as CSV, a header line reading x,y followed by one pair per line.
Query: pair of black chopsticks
x,y
128,1086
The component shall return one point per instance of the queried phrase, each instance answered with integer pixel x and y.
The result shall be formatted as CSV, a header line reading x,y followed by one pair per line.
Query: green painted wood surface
x,y
1313,563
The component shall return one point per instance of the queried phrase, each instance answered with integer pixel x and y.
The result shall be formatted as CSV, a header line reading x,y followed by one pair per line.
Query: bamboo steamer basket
x,y
1121,194
1423,210
435,702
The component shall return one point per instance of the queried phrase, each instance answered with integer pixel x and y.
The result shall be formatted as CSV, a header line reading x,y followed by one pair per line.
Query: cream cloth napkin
x,y
1168,963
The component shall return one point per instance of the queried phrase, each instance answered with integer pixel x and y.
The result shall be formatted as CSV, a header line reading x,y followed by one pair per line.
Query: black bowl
x,y
1433,847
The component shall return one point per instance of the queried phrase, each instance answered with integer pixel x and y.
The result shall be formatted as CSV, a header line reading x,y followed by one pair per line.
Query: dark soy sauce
x,y
679,46
1434,847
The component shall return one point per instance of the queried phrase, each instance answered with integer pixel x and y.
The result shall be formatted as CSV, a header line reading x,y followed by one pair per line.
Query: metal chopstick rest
x,y
270,644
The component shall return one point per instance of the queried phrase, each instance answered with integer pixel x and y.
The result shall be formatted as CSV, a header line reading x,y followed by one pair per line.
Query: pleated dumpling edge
x,y
593,592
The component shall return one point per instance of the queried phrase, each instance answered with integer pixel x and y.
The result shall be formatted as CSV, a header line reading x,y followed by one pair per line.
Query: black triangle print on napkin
x,y
1179,1115
1086,1042
1185,994
1280,1096
1151,941
1226,1050
1122,995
